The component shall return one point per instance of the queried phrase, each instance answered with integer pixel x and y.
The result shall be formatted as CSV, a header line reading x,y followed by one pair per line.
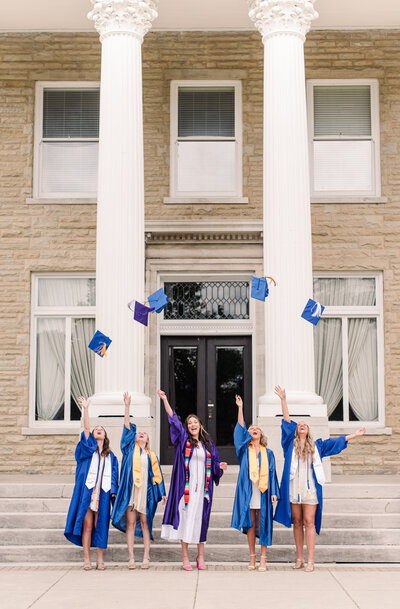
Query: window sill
x,y
61,201
51,431
371,431
345,199
206,200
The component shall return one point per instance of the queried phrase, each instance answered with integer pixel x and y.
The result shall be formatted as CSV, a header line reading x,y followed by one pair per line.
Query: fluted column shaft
x,y
120,260
286,200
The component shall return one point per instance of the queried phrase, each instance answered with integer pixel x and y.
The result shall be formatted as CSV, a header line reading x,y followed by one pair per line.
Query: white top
x,y
255,501
190,517
301,477
94,501
139,495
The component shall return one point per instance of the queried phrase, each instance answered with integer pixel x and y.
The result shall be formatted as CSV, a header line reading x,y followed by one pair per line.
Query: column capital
x,y
282,16
132,17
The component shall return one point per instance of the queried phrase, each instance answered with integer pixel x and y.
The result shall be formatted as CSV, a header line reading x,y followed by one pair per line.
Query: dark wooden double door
x,y
202,375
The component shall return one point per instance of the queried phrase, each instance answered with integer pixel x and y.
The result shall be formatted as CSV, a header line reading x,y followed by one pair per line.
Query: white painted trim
x,y
228,225
38,196
375,138
214,200
175,196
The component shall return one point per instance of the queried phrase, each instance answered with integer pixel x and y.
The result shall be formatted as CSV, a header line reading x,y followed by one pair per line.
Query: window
x,y
343,118
206,147
207,300
66,140
348,348
63,322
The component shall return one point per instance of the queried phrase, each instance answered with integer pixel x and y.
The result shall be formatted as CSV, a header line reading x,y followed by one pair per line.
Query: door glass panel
x,y
183,380
230,374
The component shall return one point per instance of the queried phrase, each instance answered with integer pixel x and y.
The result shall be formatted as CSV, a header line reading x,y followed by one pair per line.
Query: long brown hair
x,y
204,436
106,443
308,448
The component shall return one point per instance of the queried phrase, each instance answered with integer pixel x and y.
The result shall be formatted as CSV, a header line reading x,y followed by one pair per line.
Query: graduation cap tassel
x,y
102,349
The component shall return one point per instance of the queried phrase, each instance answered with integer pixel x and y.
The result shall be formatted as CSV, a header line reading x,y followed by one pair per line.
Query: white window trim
x,y
345,313
351,196
52,197
60,311
196,196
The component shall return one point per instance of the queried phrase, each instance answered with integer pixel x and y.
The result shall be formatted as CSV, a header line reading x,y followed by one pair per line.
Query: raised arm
x,y
239,404
168,409
281,393
357,434
84,404
127,401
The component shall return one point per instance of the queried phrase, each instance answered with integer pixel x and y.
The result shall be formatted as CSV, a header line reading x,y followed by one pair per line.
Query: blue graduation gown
x,y
241,516
179,438
326,448
155,492
82,495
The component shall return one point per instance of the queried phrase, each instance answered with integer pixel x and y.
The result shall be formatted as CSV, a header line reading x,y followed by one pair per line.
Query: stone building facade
x,y
36,237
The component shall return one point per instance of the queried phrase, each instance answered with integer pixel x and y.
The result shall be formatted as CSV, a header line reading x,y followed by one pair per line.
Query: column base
x,y
112,405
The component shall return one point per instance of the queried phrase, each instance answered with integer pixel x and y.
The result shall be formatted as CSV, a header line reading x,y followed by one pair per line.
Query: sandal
x,y
87,566
145,564
202,566
100,566
187,567
263,567
252,567
309,567
299,564
131,564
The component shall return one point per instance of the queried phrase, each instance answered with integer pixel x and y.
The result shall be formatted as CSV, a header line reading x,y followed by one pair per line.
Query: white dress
x,y
139,495
255,501
190,518
301,476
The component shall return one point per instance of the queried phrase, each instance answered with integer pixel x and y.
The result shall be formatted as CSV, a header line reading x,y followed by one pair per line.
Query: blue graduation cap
x,y
140,311
100,343
312,311
259,287
158,300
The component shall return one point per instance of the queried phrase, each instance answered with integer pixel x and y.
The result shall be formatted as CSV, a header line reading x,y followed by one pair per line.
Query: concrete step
x,y
216,535
214,552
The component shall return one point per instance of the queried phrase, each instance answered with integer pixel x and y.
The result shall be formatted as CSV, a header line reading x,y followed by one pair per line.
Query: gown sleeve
x,y
241,439
331,446
215,464
160,488
176,429
128,438
273,480
114,474
85,447
288,431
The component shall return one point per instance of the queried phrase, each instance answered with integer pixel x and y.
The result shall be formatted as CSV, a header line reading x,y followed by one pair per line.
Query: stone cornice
x,y
132,17
162,231
282,16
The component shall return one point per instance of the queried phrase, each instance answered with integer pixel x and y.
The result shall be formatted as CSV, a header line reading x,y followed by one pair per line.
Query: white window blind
x,y
344,154
206,112
69,145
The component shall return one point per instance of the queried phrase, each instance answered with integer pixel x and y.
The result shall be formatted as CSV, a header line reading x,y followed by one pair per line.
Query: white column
x,y
289,350
120,260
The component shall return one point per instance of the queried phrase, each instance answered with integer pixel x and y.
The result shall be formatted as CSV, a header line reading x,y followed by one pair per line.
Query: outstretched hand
x,y
83,403
239,401
360,432
280,392
161,394
223,465
127,399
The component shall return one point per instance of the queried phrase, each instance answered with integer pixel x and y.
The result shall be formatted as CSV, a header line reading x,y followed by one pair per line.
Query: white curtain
x,y
362,357
50,367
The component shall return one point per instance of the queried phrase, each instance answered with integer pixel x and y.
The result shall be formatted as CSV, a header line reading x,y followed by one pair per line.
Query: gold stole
x,y
255,474
137,467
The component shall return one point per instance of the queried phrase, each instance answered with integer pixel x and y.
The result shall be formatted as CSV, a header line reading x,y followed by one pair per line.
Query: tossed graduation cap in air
x,y
100,343
140,311
259,287
312,311
158,300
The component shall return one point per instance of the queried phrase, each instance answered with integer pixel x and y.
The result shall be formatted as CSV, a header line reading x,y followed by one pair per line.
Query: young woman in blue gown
x,y
257,488
96,482
141,488
300,500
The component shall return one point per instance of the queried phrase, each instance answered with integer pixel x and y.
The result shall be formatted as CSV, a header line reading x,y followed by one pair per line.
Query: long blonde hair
x,y
263,438
308,448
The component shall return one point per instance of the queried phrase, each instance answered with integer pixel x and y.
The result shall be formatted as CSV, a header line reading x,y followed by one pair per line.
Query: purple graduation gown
x,y
332,446
82,495
241,516
179,438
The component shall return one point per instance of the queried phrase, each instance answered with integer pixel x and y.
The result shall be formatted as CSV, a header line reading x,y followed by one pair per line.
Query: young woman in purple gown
x,y
197,467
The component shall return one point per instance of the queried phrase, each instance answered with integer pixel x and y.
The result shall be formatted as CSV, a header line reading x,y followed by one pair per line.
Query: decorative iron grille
x,y
207,300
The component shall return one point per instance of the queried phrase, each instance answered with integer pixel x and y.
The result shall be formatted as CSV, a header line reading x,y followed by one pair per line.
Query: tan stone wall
x,y
62,237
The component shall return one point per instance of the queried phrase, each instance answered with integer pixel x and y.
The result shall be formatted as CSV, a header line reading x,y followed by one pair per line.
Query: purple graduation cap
x,y
140,311
259,288
312,311
158,300
100,343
